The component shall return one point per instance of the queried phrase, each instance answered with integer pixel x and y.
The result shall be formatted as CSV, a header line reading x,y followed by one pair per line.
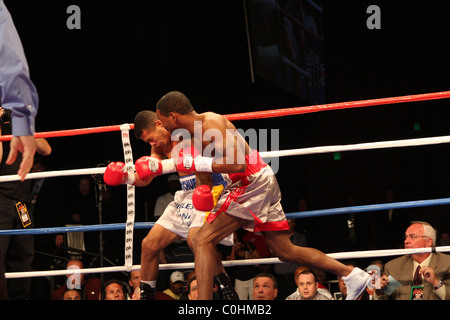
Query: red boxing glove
x,y
202,198
189,160
147,167
116,174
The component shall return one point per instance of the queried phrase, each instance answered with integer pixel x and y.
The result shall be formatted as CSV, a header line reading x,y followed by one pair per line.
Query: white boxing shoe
x,y
356,282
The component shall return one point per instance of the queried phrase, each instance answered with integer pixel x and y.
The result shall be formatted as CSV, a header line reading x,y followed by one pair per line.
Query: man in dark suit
x,y
424,276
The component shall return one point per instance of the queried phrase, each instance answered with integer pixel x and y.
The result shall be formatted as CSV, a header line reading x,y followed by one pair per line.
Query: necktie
x,y
417,277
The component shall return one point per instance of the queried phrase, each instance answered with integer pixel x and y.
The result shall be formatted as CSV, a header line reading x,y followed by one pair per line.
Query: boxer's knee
x,y
150,246
201,240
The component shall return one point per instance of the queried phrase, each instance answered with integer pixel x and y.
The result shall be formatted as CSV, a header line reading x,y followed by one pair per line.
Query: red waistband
x,y
254,164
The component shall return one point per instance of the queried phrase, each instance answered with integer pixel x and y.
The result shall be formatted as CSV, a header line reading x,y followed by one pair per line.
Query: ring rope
x,y
337,106
291,215
264,114
57,173
265,154
358,147
229,263
70,132
369,208
79,228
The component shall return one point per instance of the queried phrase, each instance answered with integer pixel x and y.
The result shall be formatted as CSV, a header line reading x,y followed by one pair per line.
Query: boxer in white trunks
x,y
253,200
178,217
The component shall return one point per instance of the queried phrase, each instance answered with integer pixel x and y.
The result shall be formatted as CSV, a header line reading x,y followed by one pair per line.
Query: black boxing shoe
x,y
147,292
226,288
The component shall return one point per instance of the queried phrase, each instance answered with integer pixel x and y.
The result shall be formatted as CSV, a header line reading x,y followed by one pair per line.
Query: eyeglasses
x,y
413,236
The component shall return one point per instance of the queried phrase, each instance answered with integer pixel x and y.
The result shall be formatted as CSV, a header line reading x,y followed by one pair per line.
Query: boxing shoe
x,y
356,283
147,292
226,288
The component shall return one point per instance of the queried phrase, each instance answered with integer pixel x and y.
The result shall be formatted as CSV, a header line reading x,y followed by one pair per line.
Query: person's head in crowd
x,y
71,294
192,289
265,287
307,285
115,290
134,279
176,282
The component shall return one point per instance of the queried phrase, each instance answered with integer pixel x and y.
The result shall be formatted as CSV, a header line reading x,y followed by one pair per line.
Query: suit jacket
x,y
402,270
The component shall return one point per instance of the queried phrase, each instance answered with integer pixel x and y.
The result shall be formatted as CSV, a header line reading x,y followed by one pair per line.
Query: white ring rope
x,y
358,146
57,173
228,263
264,154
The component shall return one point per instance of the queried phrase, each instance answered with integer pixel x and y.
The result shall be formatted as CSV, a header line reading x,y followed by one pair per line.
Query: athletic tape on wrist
x,y
129,228
203,164
168,166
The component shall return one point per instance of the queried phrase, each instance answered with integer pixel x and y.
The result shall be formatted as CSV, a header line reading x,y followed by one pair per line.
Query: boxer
x,y
253,198
179,216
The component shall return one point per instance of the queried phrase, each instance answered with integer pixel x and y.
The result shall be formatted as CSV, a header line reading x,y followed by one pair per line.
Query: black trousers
x,y
17,251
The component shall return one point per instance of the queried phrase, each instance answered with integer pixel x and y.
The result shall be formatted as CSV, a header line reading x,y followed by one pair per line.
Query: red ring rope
x,y
264,114
336,106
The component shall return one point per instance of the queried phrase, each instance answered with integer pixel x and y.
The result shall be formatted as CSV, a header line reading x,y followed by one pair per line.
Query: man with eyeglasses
x,y
422,276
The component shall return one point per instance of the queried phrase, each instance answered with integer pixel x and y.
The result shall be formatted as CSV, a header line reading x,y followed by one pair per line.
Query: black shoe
x,y
147,292
226,288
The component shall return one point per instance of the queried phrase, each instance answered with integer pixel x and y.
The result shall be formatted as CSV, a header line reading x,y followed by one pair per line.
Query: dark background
x,y
129,53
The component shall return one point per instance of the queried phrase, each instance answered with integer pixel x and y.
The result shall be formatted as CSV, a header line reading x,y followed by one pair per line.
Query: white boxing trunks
x,y
253,195
180,215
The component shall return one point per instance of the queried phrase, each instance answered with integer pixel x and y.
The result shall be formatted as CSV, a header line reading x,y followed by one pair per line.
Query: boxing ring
x,y
130,225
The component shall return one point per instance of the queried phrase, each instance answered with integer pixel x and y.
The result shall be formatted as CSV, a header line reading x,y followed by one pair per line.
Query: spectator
x,y
308,287
90,287
134,280
296,274
265,287
444,239
190,275
421,276
115,290
176,285
71,294
83,210
192,289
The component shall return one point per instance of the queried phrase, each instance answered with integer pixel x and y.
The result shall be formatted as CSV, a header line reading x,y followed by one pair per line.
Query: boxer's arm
x,y
228,148
145,181
203,178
